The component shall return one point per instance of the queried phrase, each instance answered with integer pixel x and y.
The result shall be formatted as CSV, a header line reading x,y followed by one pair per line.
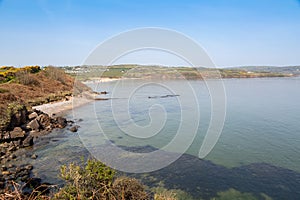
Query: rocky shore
x,y
24,129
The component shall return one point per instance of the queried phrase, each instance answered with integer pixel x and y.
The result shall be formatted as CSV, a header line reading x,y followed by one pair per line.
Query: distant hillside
x,y
31,86
161,72
295,70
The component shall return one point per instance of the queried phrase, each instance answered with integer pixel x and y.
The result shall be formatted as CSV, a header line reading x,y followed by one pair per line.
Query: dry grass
x,y
165,195
16,193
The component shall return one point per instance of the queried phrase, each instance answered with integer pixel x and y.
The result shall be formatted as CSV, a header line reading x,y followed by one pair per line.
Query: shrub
x,y
32,69
125,188
55,73
10,73
25,78
94,181
6,68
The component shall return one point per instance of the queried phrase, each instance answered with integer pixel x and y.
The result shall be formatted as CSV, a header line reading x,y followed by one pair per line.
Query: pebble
x,y
10,166
34,156
29,167
6,173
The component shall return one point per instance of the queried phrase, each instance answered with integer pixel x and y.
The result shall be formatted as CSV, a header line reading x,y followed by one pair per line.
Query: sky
x,y
232,32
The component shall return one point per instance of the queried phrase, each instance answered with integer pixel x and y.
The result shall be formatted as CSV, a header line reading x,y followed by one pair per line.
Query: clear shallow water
x,y
262,119
261,126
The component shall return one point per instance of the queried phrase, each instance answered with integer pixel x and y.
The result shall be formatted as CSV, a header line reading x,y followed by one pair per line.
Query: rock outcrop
x,y
21,133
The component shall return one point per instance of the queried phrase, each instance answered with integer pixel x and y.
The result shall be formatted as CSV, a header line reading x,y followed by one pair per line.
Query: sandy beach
x,y
104,80
101,80
60,107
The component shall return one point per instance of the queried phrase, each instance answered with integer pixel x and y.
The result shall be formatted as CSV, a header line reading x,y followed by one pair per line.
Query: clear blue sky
x,y
233,32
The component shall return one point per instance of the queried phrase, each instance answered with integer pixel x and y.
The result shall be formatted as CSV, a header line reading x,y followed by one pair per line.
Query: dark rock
x,y
2,152
34,183
61,122
18,118
44,120
28,167
3,168
28,141
49,128
70,122
23,172
10,166
12,156
33,125
34,156
18,169
25,178
2,184
74,128
11,148
11,177
5,145
6,136
32,115
17,133
17,143
44,188
36,134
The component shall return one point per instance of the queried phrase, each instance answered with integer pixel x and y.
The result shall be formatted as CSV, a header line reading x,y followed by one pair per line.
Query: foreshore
x,y
105,80
58,108
101,80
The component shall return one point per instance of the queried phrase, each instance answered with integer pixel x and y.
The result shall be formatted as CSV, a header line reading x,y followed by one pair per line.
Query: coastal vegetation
x,y
20,125
30,86
96,181
190,73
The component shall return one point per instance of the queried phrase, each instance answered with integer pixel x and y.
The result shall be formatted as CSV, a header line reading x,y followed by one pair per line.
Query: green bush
x,y
92,181
96,181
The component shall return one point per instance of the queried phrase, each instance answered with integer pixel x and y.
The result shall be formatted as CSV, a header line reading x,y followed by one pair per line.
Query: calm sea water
x,y
261,132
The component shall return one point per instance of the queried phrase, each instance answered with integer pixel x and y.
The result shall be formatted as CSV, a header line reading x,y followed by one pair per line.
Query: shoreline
x,y
101,80
60,107
105,80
